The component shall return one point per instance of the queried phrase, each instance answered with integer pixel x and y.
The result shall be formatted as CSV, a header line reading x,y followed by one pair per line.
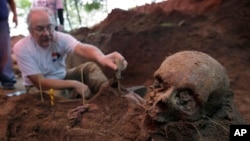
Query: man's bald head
x,y
38,13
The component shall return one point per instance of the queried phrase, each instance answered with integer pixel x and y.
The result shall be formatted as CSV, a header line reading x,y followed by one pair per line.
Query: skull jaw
x,y
156,118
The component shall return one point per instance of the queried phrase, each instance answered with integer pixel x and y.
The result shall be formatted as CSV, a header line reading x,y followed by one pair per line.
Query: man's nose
x,y
46,31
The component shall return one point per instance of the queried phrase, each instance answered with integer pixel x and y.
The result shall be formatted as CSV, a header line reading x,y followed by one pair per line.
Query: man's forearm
x,y
57,84
46,84
89,51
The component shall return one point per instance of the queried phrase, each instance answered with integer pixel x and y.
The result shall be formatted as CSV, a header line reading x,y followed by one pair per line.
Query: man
x,y
56,7
7,76
41,58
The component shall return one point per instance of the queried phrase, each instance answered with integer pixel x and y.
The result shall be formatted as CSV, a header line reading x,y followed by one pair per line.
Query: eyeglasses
x,y
41,29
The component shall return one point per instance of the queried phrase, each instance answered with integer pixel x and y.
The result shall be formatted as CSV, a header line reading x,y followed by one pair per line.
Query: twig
x,y
215,123
40,87
83,97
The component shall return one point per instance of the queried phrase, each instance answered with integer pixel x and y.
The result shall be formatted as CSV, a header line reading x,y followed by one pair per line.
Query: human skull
x,y
187,85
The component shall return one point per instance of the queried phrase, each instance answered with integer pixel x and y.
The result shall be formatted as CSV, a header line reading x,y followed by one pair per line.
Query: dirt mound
x,y
31,119
145,39
121,119
188,6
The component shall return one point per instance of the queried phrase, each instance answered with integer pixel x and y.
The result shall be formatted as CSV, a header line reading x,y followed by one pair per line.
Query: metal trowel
x,y
118,73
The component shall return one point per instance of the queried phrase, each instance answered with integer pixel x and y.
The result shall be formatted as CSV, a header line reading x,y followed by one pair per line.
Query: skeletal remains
x,y
190,100
185,84
189,86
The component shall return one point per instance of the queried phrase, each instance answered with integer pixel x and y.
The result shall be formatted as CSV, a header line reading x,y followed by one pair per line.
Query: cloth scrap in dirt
x,y
17,93
75,115
77,112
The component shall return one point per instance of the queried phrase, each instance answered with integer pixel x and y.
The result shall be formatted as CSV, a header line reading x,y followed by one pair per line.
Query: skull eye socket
x,y
159,85
183,96
186,101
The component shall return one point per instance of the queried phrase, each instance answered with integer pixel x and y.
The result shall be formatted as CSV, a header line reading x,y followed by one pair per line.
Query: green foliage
x,y
80,13
23,4
94,5
23,7
77,13
167,24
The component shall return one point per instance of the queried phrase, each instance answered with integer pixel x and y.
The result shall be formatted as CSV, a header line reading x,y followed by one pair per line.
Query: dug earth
x,y
193,57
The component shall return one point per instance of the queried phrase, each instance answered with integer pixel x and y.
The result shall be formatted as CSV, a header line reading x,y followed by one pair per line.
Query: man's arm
x,y
94,53
88,51
45,84
12,5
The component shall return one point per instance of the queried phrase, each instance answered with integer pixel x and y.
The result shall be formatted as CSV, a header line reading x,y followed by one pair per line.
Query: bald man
x,y
41,58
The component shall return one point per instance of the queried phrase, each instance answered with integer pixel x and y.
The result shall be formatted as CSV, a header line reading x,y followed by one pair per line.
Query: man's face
x,y
42,29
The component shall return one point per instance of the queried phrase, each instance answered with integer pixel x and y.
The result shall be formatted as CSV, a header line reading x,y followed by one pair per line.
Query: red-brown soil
x,y
145,36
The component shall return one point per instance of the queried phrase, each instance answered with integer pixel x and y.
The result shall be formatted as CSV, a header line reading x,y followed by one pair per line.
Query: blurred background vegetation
x,y
77,13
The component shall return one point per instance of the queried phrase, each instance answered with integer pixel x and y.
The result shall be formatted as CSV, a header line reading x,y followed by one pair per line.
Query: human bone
x,y
185,84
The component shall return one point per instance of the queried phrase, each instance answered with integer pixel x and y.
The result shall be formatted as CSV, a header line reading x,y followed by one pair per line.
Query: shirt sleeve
x,y
67,41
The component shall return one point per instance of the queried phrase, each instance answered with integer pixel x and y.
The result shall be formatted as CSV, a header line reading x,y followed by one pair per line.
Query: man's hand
x,y
94,53
82,89
111,60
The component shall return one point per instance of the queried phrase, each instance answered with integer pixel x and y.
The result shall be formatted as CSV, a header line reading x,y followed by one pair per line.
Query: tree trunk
x,y
78,12
67,13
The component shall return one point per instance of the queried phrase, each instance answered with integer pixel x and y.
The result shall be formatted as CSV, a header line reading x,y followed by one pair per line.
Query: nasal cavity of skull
x,y
162,105
159,85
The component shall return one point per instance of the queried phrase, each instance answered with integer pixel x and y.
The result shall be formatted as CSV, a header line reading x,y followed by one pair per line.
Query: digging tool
x,y
118,75
140,90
